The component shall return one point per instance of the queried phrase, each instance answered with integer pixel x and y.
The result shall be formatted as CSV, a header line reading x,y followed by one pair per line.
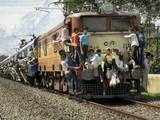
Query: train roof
x,y
113,13
52,30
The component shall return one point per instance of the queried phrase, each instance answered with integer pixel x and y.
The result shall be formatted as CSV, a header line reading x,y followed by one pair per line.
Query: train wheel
x,y
49,83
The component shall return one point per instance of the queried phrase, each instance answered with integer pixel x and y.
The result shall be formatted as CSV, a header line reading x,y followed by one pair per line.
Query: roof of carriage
x,y
112,13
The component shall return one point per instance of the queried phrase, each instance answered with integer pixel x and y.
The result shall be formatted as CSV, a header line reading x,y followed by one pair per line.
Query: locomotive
x,y
106,31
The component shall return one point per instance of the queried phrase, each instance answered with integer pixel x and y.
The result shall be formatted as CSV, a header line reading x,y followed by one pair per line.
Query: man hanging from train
x,y
142,43
30,54
69,66
75,43
134,44
135,76
22,43
65,37
75,40
96,61
147,58
32,71
84,43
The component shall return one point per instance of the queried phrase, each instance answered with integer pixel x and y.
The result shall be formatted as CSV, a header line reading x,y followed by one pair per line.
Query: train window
x,y
120,24
95,24
54,37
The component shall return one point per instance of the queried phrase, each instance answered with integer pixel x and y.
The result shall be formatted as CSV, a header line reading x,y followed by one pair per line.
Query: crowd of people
x,y
81,62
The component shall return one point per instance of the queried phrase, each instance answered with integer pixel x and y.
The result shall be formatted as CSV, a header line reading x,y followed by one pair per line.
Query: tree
x,y
75,5
148,8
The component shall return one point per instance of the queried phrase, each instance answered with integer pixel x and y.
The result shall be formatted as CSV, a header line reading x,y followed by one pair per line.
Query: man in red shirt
x,y
75,38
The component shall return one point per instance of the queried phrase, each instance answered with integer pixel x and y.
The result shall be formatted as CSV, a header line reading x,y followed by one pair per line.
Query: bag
x,y
136,73
114,80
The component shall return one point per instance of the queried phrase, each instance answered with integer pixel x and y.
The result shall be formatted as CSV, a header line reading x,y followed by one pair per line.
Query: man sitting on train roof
x,y
22,43
31,55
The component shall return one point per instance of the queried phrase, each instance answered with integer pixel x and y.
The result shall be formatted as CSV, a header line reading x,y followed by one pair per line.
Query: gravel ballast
x,y
21,102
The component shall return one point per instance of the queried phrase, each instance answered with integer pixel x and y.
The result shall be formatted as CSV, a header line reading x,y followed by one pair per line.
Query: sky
x,y
12,11
20,18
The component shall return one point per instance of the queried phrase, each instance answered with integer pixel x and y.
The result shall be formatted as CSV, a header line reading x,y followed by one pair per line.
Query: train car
x,y
106,31
15,66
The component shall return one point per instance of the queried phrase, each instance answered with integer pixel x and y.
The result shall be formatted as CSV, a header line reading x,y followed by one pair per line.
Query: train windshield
x,y
95,24
120,24
99,24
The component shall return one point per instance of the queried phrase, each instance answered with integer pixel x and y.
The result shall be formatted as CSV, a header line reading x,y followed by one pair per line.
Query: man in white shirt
x,y
134,45
146,70
65,38
96,61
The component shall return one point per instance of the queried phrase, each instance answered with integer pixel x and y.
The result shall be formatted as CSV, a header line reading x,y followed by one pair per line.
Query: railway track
x,y
101,106
130,111
138,108
119,112
145,104
108,108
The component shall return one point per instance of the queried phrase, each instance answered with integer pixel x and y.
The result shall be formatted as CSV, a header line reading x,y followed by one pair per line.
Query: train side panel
x,y
49,58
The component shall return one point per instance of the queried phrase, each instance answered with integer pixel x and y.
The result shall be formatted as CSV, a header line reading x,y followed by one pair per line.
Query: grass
x,y
151,96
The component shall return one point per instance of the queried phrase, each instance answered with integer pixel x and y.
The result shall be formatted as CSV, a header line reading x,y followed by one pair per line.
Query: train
x,y
106,31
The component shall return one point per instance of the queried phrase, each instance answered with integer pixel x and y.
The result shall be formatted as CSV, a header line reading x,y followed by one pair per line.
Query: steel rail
x,y
143,103
117,111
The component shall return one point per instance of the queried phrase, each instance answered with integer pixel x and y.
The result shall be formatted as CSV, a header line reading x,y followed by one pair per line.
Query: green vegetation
x,y
154,49
152,96
73,5
155,66
149,8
